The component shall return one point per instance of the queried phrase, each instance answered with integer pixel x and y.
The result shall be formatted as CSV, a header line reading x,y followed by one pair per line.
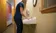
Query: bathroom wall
x,y
45,22
17,1
29,5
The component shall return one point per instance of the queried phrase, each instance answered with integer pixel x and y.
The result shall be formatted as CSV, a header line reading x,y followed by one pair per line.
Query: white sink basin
x,y
30,21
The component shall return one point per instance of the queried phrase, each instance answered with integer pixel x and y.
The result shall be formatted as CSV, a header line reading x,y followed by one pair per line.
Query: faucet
x,y
27,12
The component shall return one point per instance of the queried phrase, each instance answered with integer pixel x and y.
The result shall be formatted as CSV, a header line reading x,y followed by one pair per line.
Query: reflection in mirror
x,y
10,4
48,6
49,3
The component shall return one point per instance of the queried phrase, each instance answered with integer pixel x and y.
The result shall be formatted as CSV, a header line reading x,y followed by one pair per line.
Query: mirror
x,y
48,6
10,4
48,3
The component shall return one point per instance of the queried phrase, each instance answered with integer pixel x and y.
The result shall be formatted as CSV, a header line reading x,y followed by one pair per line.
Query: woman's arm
x,y
21,10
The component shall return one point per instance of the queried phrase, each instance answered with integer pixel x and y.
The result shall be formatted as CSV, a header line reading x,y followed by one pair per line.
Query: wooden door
x,y
2,15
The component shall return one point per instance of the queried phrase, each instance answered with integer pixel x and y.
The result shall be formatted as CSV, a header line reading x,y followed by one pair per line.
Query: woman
x,y
18,17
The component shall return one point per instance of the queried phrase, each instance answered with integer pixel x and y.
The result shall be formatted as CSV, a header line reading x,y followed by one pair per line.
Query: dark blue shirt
x,y
18,14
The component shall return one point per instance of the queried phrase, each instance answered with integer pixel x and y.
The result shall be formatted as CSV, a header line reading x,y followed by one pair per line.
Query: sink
x,y
30,21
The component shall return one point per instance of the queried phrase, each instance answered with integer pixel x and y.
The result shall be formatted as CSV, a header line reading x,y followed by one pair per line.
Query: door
x,y
2,15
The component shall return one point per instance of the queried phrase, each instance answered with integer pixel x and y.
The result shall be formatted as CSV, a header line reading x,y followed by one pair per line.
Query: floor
x,y
26,29
10,29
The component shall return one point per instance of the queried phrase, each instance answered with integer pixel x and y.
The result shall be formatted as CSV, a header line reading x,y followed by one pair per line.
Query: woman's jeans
x,y
19,25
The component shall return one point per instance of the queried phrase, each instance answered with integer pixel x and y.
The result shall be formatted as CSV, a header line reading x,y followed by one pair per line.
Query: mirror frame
x,y
51,9
35,3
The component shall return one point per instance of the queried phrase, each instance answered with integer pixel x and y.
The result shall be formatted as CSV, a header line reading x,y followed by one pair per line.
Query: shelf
x,y
49,10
